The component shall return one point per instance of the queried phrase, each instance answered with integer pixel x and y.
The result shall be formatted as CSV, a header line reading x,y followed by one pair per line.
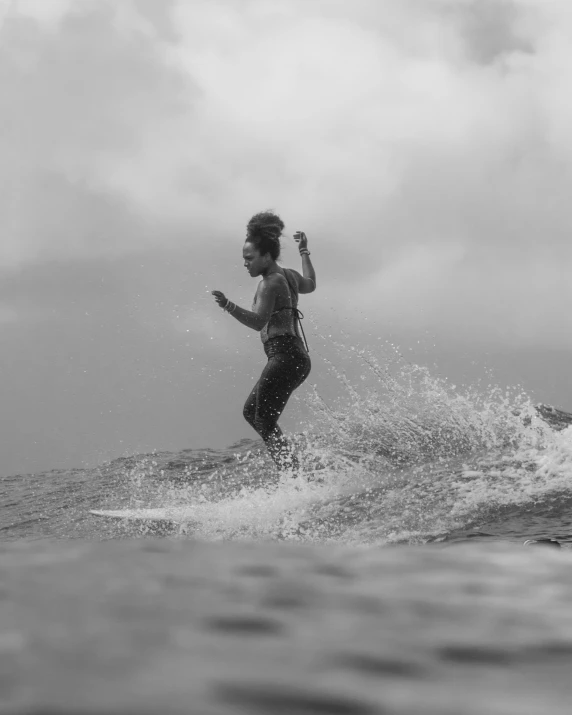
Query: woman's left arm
x,y
255,319
307,282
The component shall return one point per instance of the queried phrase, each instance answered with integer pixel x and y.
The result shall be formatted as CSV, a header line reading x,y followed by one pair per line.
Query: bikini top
x,y
298,315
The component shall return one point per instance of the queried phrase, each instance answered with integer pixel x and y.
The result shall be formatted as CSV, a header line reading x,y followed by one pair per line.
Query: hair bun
x,y
272,233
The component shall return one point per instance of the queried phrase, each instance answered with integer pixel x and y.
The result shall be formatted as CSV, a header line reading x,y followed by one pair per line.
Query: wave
x,y
397,456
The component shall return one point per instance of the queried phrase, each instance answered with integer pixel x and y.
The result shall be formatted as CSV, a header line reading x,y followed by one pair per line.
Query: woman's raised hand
x,y
301,239
220,298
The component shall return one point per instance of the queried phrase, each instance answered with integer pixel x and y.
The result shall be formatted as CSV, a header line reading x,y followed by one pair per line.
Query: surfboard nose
x,y
543,542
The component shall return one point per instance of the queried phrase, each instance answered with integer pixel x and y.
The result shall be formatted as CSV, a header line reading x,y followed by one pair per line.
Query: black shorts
x,y
287,367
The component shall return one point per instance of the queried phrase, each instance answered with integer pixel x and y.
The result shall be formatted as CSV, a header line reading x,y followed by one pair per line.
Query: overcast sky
x,y
423,145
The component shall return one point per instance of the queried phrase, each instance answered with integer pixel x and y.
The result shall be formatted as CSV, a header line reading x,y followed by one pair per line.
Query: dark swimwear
x,y
287,367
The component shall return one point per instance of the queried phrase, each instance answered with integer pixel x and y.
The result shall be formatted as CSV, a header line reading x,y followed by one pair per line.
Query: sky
x,y
424,146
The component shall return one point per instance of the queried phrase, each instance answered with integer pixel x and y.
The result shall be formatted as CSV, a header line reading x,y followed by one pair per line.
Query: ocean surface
x,y
388,578
399,457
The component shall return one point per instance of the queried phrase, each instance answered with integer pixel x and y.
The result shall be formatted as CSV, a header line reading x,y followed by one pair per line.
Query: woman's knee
x,y
249,413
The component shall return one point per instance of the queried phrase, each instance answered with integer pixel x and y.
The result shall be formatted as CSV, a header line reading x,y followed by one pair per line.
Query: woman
x,y
275,314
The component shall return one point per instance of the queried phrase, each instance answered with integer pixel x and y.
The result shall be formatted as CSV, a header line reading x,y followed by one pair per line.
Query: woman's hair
x,y
264,231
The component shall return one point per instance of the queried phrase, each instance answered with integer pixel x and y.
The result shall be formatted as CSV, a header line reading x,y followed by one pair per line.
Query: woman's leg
x,y
249,410
282,375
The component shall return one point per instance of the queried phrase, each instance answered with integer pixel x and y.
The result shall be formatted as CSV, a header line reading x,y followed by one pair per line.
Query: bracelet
x,y
304,252
230,311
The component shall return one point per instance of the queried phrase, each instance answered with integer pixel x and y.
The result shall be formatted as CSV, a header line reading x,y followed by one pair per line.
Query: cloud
x,y
421,143
82,90
492,30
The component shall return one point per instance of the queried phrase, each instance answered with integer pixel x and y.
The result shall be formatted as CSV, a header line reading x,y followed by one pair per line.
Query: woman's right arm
x,y
259,317
306,282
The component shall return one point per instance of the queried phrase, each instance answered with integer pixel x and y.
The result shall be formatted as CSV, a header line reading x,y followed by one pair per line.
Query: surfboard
x,y
179,515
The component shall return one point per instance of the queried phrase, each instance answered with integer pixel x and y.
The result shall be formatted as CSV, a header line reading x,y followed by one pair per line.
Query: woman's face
x,y
254,263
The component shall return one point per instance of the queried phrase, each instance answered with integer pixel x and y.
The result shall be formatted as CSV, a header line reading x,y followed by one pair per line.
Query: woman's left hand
x,y
301,239
220,298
